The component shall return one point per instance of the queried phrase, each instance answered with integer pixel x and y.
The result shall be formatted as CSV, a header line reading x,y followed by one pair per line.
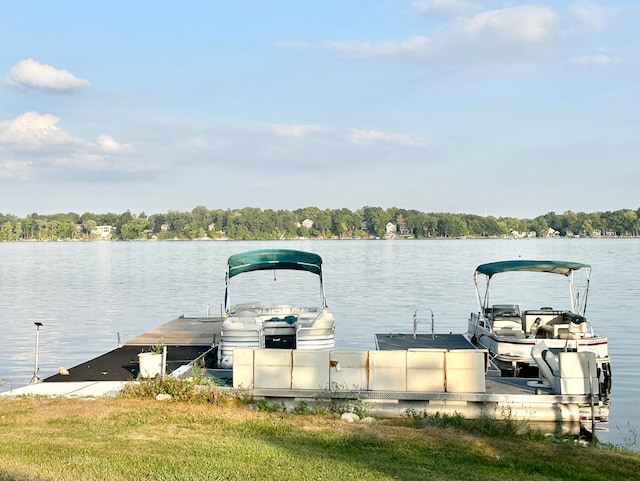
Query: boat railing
x,y
417,321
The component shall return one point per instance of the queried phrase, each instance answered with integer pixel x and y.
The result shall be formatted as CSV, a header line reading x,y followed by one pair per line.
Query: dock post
x,y
36,378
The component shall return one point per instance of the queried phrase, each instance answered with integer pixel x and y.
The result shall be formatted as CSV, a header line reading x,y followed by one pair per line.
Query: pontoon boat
x,y
510,333
283,326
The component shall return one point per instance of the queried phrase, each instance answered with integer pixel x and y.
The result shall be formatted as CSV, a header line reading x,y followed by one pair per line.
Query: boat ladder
x,y
417,321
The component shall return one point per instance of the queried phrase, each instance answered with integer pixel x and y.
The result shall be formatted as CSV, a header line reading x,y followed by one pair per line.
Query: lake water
x,y
84,294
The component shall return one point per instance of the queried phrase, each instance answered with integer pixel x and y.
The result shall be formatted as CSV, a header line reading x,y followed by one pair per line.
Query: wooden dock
x,y
183,331
186,339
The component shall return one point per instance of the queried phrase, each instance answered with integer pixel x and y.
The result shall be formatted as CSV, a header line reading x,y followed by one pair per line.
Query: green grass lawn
x,y
145,439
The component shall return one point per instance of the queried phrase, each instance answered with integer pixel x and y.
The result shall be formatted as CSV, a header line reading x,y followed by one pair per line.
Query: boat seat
x,y
572,336
252,314
245,322
499,323
570,331
542,316
281,310
507,321
316,333
507,331
322,320
306,317
506,316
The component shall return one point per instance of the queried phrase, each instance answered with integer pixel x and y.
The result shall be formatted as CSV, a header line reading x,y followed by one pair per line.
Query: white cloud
x,y
417,45
595,60
109,144
32,74
458,37
374,137
523,24
590,14
34,131
509,27
506,40
32,142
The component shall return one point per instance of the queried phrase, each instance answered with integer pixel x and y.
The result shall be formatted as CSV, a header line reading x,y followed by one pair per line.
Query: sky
x,y
509,109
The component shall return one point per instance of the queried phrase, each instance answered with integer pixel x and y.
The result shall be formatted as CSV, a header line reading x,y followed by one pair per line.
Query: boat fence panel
x,y
578,373
310,370
388,370
348,370
425,370
272,368
243,368
465,371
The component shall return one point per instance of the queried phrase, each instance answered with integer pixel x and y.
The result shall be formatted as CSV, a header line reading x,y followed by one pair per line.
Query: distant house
x,y
103,231
308,223
165,228
522,235
390,230
600,233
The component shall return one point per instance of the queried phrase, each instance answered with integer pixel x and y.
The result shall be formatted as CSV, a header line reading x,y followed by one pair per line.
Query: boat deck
x,y
183,331
387,342
186,339
122,364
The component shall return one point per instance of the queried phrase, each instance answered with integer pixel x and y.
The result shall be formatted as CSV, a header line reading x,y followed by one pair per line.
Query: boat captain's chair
x,y
506,320
316,332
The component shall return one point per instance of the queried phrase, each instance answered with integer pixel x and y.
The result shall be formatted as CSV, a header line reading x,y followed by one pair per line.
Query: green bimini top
x,y
553,267
269,259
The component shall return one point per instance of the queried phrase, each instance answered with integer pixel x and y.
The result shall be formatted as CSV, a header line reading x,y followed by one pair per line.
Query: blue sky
x,y
504,108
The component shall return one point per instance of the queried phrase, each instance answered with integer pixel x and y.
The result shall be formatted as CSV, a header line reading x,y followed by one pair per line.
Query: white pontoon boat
x,y
279,326
510,333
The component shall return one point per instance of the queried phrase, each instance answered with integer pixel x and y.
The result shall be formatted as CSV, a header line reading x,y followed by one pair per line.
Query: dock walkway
x,y
186,338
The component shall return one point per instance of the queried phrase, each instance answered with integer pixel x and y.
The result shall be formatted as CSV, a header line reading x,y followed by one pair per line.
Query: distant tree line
x,y
311,222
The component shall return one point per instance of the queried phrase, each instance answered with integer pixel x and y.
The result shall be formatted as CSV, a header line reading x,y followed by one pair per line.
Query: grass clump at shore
x,y
140,438
192,389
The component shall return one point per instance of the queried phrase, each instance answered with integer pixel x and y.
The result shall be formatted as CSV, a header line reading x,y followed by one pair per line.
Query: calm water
x,y
86,293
